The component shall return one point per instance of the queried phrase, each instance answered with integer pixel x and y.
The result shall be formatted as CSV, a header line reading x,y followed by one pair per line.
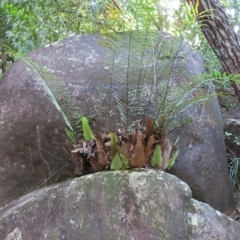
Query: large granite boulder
x,y
32,130
143,204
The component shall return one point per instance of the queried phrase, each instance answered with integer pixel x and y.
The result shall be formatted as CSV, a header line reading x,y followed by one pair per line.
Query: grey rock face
x,y
206,223
203,157
144,204
32,130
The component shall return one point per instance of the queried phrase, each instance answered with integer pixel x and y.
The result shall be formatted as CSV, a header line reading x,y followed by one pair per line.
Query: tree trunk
x,y
221,36
4,60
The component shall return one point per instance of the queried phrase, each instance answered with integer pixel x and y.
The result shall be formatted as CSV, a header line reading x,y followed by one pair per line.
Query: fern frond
x,y
125,149
95,164
71,135
87,132
148,148
171,161
166,147
114,147
102,156
149,126
138,157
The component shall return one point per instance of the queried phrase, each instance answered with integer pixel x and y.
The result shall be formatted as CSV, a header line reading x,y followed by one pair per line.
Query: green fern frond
x,y
87,132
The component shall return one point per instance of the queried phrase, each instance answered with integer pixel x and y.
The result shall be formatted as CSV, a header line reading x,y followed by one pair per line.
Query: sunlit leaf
x,y
116,163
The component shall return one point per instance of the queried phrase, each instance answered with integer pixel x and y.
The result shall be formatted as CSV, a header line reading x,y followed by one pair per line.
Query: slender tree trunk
x,y
221,36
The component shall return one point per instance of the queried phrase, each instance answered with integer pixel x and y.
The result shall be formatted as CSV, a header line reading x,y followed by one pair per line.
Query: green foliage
x,y
87,132
26,25
221,79
30,23
157,157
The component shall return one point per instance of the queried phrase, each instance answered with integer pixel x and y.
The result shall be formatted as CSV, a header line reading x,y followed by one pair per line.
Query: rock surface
x,y
143,204
32,130
206,223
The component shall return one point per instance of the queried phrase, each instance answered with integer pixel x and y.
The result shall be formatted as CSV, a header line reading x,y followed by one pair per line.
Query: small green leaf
x,y
157,156
71,135
87,132
171,161
116,163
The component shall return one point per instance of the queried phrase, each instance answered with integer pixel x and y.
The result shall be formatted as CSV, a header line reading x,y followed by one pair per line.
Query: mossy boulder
x,y
141,204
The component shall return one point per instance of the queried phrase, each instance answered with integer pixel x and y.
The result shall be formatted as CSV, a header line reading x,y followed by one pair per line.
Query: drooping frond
x,y
48,90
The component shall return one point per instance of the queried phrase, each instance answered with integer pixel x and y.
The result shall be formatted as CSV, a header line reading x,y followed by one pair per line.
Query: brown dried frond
x,y
149,126
138,157
148,149
126,150
166,146
133,138
95,163
102,156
